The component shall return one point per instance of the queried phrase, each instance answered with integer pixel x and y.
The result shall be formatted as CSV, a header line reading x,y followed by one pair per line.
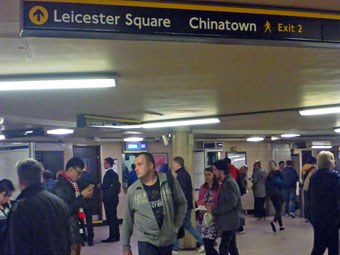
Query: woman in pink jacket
x,y
208,196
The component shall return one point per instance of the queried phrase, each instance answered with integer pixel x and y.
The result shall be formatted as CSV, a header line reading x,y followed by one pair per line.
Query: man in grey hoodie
x,y
157,205
228,212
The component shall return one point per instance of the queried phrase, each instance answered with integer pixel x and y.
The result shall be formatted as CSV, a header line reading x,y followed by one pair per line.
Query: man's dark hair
x,y
47,175
6,186
281,162
228,160
312,160
149,158
179,160
133,166
222,165
109,160
289,163
75,162
29,171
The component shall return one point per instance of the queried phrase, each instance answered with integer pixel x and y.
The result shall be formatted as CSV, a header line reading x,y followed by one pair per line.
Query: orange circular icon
x,y
38,15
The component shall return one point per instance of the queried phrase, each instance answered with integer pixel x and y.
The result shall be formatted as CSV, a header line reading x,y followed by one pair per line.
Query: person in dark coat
x,y
291,177
228,212
86,180
68,190
38,222
324,197
111,190
274,184
132,175
184,180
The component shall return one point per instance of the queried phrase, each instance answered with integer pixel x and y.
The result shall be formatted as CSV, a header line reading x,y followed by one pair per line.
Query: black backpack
x,y
181,232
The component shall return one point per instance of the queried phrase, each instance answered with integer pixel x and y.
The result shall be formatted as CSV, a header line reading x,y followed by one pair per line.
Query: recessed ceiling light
x,y
289,135
62,81
274,138
255,139
321,147
319,111
178,123
133,139
60,131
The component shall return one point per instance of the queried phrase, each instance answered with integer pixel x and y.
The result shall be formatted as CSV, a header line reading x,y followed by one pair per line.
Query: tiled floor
x,y
258,239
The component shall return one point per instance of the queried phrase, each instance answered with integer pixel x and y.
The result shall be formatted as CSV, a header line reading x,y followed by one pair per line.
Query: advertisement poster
x,y
160,159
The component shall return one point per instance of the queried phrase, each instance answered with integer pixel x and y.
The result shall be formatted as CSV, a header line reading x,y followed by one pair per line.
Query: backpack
x,y
170,177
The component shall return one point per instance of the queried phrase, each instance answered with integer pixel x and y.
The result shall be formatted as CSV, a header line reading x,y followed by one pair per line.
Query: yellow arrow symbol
x,y
38,15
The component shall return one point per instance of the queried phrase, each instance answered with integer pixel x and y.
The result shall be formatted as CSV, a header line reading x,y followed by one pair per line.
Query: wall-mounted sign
x,y
135,146
107,19
86,120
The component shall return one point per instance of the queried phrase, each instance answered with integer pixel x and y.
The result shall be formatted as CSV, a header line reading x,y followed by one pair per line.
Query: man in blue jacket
x,y
324,197
291,178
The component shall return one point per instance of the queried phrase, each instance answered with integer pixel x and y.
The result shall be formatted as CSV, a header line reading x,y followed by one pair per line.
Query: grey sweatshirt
x,y
139,212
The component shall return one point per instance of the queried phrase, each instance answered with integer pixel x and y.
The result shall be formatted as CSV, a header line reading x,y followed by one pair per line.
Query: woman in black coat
x,y
274,184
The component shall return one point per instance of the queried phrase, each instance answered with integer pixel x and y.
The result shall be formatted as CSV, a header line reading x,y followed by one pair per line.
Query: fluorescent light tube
x,y
255,139
133,139
178,123
2,137
337,130
60,131
321,147
121,127
289,135
80,83
319,111
274,138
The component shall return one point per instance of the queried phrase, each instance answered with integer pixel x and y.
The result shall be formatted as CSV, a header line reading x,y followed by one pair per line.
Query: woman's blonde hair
x,y
272,165
325,159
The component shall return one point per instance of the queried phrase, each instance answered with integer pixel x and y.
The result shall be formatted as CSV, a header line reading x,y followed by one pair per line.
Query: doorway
x,y
91,156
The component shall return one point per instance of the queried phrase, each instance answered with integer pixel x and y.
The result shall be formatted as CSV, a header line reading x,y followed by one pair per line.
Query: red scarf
x,y
81,214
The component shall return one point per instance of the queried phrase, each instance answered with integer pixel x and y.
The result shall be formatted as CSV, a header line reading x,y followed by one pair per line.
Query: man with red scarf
x,y
67,189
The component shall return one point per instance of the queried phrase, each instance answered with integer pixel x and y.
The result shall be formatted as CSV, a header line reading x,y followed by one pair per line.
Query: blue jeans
x,y
290,195
191,229
145,248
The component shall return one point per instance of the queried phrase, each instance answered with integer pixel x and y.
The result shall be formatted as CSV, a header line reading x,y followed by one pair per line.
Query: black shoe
x,y
272,224
90,242
110,240
282,228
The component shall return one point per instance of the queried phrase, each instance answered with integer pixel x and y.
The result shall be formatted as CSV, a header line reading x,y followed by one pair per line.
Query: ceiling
x,y
167,80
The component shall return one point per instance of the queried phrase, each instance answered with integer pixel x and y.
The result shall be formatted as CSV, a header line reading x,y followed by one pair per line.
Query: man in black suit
x,y
111,189
85,180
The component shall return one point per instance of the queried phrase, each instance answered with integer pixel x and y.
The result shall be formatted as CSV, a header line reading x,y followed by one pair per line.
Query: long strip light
x,y
60,81
60,131
2,137
133,139
255,139
178,123
337,130
289,135
321,146
319,111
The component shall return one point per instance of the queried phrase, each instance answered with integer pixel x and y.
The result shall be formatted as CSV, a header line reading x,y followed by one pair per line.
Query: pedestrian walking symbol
x,y
38,15
267,27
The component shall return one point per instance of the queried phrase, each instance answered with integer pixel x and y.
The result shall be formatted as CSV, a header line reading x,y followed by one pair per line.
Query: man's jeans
x,y
290,195
145,248
191,229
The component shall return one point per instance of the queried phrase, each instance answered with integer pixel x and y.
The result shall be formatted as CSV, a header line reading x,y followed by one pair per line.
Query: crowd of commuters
x,y
160,205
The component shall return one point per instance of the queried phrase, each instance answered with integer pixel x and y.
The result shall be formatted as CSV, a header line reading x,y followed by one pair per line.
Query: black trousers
x,y
260,212
209,246
145,248
326,236
89,224
112,220
228,243
277,201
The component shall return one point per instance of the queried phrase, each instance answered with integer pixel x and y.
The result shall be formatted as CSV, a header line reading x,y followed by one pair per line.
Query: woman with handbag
x,y
208,196
274,185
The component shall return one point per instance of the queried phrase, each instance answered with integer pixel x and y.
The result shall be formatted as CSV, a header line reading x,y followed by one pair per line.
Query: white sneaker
x,y
201,249
175,252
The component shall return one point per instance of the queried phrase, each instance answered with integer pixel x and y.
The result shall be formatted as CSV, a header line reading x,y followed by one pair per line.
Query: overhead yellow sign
x,y
38,15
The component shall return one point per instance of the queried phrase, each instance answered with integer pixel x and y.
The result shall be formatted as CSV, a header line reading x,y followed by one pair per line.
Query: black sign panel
x,y
93,20
85,120
331,30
